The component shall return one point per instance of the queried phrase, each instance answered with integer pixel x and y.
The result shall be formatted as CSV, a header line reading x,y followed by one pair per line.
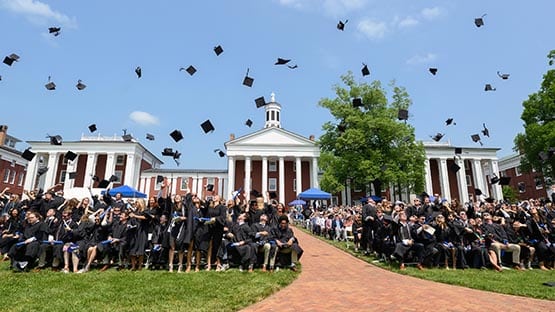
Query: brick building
x,y
13,167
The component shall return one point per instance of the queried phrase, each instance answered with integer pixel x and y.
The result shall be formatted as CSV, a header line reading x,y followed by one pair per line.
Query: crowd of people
x,y
174,233
438,233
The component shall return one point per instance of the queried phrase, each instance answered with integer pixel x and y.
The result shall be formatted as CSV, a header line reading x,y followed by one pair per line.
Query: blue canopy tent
x,y
314,193
126,191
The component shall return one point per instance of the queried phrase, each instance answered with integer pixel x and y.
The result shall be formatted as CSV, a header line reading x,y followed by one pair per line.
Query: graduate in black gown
x,y
24,253
138,242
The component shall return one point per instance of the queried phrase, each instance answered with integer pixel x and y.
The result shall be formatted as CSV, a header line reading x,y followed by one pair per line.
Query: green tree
x,y
509,193
537,143
368,144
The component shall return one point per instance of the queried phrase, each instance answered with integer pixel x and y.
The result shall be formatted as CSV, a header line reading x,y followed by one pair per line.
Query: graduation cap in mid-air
x,y
191,70
92,128
454,167
341,25
69,155
281,61
292,66
479,21
8,60
159,179
80,85
504,180
437,137
503,76
28,155
150,137
248,123
50,85
248,81
207,126
220,152
55,139
495,179
488,87
357,102
365,71
485,131
138,71
458,150
167,151
450,121
42,170
218,50
176,135
54,30
260,102
476,138
210,187
432,70
403,114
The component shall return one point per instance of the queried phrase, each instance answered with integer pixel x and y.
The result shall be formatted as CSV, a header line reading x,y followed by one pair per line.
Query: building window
x,y
120,159
468,180
272,166
521,187
12,179
277,116
21,179
6,175
184,183
538,182
273,115
119,174
518,172
272,184
502,174
294,185
62,176
268,115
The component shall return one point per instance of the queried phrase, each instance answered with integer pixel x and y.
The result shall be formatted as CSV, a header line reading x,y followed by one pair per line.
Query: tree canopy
x,y
368,144
537,143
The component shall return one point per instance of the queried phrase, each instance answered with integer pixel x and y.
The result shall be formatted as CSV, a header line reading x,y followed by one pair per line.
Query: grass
x,y
520,283
137,291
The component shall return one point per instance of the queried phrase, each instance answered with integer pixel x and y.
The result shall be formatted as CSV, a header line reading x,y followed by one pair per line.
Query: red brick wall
x,y
81,168
100,167
453,185
529,182
18,169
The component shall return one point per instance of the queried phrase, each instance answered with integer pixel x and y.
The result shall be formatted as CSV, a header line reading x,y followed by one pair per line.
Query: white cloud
x,y
372,29
37,12
144,118
432,13
422,59
408,22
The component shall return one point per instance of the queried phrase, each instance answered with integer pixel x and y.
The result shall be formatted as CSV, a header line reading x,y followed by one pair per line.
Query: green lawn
x,y
521,283
137,291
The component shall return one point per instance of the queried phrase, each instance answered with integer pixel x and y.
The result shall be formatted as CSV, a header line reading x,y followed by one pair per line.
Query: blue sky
x,y
102,42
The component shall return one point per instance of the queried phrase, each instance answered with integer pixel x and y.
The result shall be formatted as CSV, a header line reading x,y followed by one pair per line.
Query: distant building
x,y
526,184
12,165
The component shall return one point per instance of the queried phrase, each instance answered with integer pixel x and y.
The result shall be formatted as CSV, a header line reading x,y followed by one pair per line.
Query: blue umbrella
x,y
297,202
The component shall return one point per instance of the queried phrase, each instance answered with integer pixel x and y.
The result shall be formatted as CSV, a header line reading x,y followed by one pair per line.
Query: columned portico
x,y
444,178
247,182
230,176
281,179
428,177
52,169
298,176
264,175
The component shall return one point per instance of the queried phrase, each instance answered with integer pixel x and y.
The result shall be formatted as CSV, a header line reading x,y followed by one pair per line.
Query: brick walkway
x,y
332,280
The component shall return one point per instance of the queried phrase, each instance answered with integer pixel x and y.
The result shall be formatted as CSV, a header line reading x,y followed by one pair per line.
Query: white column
x,y
281,180
264,175
314,171
31,174
230,176
50,179
174,185
478,175
349,193
444,178
496,189
428,177
461,182
343,197
299,175
247,182
137,170
194,188
221,187
110,165
147,187
129,178
90,169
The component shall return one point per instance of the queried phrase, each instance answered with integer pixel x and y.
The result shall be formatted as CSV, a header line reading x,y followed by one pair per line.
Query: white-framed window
x,y
120,159
21,179
6,175
119,174
272,166
518,171
295,167
62,176
468,180
502,174
12,178
294,185
538,182
184,183
272,184
521,187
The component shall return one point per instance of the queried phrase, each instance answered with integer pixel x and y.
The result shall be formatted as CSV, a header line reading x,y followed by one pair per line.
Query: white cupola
x,y
272,109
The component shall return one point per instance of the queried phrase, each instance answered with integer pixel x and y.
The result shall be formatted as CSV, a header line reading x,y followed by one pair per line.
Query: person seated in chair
x,y
264,242
286,241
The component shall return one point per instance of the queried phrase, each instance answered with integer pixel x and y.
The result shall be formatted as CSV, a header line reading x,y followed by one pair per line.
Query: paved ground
x,y
332,280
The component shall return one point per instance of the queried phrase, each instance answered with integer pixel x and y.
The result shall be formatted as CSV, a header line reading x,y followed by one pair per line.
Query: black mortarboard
x,y
8,60
191,70
489,200
248,123
281,61
551,284
503,76
365,71
449,121
260,102
159,179
114,178
218,50
478,192
103,184
292,66
138,71
176,135
69,155
488,87
42,170
504,180
54,30
341,127
92,128
150,137
176,155
403,114
80,85
273,195
248,81
357,102
255,193
458,150
495,179
210,187
28,155
50,86
485,132
341,25
167,151
479,21
476,138
220,152
127,137
454,167
72,175
437,137
432,70
55,139
207,126
95,178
